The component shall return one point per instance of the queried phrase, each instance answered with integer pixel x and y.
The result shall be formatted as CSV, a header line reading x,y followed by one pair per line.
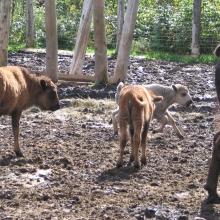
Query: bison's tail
x,y
138,100
217,51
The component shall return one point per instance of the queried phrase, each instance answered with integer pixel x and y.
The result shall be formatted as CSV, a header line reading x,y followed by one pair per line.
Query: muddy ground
x,y
68,171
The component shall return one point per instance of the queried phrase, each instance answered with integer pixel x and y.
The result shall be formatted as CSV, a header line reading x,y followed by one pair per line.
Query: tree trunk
x,y
29,24
196,27
101,63
82,38
120,22
121,68
5,11
51,40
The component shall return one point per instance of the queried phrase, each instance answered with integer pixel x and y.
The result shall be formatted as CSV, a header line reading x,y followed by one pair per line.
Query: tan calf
x,y
19,90
136,107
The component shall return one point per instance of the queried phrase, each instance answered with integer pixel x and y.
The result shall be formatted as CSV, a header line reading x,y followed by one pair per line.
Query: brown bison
x,y
214,168
136,108
19,90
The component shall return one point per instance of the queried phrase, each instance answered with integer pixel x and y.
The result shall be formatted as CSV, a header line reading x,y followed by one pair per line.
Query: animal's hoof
x,y
143,161
181,137
119,164
137,165
115,135
19,154
213,199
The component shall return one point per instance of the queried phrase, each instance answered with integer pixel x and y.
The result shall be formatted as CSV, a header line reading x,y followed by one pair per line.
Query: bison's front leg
x,y
15,127
214,170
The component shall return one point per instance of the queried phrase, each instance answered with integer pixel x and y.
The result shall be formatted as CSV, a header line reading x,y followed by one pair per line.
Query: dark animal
x,y
214,168
19,89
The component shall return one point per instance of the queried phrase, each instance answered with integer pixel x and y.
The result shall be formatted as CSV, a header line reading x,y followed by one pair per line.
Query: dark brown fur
x,y
19,90
214,168
136,106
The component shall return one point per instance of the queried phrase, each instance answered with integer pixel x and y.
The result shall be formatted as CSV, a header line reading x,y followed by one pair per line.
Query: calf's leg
x,y
115,121
143,143
173,123
123,141
15,127
137,141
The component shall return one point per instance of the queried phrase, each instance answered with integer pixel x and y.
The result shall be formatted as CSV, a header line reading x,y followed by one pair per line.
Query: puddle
x,y
39,178
182,195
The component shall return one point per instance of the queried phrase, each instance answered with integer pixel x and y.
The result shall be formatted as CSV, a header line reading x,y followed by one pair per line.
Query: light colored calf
x,y
178,94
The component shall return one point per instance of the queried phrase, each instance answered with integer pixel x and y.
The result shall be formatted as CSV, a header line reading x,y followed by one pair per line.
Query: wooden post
x,y
82,38
29,24
120,22
101,63
126,41
51,40
196,27
5,11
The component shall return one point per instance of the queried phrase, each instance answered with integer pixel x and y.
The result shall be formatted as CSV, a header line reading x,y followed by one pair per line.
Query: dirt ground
x,y
68,171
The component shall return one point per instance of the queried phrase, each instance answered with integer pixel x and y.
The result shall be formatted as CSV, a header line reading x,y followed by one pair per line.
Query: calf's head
x,y
182,95
47,97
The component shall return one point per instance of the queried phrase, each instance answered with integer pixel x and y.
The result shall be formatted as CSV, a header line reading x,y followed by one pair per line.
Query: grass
x,y
171,57
149,55
15,48
165,56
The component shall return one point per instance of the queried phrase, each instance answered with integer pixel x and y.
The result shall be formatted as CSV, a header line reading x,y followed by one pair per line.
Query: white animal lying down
x,y
178,94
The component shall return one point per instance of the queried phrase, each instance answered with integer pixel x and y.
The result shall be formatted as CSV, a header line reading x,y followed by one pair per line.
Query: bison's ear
x,y
43,84
174,88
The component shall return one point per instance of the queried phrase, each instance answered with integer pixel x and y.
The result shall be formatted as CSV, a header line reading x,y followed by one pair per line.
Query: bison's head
x,y
48,98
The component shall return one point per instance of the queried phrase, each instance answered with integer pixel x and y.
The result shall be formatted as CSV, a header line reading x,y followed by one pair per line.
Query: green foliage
x,y
162,25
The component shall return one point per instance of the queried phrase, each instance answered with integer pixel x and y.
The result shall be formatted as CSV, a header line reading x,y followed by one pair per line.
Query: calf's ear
x,y
43,84
174,88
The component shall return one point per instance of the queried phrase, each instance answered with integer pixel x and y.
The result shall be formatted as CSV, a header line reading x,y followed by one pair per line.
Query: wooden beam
x,y
78,77
82,38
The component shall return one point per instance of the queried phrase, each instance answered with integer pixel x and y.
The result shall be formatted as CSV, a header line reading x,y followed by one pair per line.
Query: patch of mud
x,y
68,171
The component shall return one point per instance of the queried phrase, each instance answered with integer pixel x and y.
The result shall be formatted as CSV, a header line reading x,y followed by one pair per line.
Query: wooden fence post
x,y
29,24
51,40
101,63
5,11
196,27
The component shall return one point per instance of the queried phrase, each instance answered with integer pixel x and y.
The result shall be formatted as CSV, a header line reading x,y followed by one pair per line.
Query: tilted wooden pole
x,y
51,40
5,11
82,38
101,63
121,67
